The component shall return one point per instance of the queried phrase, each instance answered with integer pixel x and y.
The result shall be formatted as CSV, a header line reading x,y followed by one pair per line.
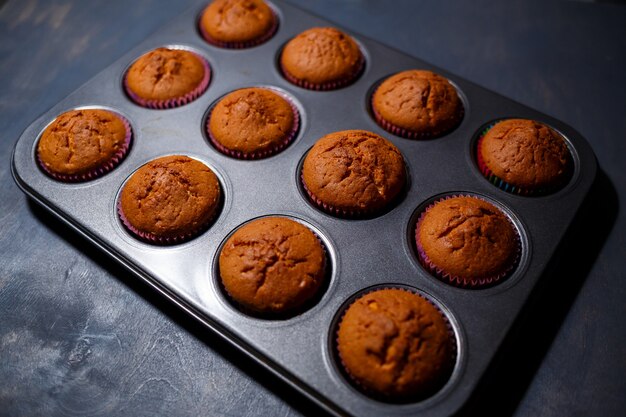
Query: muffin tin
x,y
363,254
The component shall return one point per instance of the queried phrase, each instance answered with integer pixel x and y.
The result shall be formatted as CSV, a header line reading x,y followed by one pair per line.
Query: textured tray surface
x,y
186,272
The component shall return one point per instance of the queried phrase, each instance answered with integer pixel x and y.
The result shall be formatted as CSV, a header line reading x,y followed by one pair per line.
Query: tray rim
x,y
590,166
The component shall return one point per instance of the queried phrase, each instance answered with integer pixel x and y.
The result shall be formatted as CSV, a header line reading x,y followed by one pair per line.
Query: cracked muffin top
x,y
395,344
353,172
272,265
321,58
237,23
252,122
526,154
165,74
467,238
170,199
83,144
416,104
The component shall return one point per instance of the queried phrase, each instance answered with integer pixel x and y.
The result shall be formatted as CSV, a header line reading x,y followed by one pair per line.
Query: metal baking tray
x,y
362,253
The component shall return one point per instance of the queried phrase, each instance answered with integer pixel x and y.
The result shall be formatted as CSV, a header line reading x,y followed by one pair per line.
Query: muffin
x,y
524,157
394,344
353,173
252,123
417,104
166,78
272,265
467,242
170,200
81,145
238,23
322,59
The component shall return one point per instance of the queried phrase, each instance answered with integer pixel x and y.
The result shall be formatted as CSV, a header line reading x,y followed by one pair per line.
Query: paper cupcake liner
x,y
336,211
99,171
241,45
458,281
160,240
502,184
290,312
408,134
334,85
390,398
258,154
177,101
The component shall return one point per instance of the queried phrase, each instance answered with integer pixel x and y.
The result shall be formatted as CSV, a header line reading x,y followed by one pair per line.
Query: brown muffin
x,y
237,23
80,145
272,265
524,157
321,59
165,78
353,173
467,241
395,344
252,123
417,104
170,199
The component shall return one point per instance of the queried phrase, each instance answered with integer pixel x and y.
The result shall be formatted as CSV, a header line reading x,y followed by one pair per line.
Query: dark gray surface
x,y
79,336
187,273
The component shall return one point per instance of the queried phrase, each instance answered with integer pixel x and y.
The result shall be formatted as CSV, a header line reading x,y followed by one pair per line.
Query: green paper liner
x,y
508,187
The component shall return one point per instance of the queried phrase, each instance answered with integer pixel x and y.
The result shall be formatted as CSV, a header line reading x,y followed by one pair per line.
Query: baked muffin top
x,y
81,144
354,171
396,344
526,154
253,121
170,199
321,58
272,265
165,74
420,103
468,238
237,21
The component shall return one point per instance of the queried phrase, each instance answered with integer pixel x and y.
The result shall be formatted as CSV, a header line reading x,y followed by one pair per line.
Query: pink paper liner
x,y
177,101
391,398
470,283
339,212
160,240
259,154
240,45
115,160
408,134
290,312
503,185
334,85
